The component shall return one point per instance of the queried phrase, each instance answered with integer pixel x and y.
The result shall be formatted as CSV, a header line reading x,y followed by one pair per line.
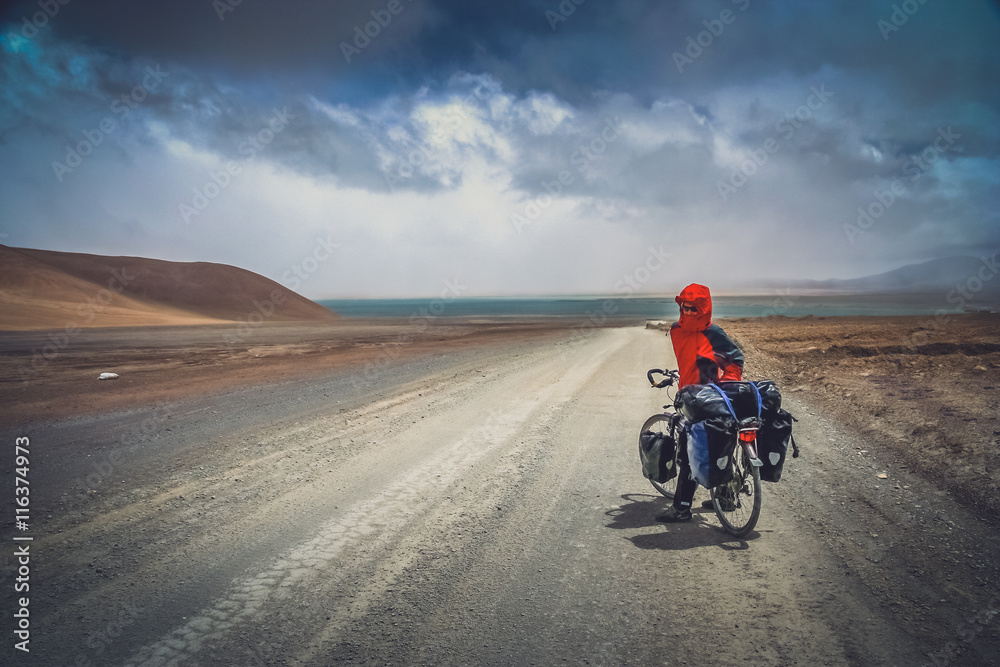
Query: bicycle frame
x,y
744,492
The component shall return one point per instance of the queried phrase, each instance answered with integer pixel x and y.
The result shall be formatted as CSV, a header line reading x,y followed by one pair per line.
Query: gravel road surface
x,y
478,507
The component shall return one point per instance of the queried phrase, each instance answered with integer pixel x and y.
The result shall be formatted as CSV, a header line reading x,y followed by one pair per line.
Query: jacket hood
x,y
700,297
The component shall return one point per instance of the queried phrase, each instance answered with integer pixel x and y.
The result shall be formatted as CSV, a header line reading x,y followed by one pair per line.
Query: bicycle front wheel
x,y
661,424
737,504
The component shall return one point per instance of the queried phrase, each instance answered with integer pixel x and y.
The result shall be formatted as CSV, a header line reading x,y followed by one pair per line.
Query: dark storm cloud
x,y
252,39
640,47
763,125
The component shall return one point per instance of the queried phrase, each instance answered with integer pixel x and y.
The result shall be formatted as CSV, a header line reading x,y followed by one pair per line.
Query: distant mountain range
x,y
937,276
42,289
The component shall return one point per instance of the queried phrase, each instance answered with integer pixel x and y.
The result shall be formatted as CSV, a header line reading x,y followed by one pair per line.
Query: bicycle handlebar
x,y
670,377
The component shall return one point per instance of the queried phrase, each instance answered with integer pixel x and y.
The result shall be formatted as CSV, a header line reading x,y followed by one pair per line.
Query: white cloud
x,y
424,186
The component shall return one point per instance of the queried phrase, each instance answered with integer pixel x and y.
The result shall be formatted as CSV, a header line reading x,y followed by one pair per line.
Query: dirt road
x,y
485,509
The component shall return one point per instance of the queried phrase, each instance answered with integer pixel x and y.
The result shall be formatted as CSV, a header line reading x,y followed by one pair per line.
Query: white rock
x,y
108,376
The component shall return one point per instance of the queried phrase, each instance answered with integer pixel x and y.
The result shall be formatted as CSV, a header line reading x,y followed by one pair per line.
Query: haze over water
x,y
644,308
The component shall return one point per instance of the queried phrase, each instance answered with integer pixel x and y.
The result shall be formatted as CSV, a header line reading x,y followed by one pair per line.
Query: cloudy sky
x,y
396,147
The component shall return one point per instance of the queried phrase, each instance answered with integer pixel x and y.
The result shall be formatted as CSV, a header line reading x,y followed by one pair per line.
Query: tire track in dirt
x,y
560,580
231,491
372,521
492,512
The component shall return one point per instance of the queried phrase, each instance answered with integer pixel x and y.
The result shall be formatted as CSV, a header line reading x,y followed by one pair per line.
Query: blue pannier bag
x,y
656,452
710,445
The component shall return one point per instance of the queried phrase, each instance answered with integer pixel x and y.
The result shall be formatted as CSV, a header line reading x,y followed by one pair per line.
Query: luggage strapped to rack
x,y
710,445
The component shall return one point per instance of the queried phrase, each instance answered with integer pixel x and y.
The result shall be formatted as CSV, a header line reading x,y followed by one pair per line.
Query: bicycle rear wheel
x,y
737,503
661,424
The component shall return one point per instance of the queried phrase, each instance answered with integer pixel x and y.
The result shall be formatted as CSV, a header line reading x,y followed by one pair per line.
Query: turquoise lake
x,y
643,308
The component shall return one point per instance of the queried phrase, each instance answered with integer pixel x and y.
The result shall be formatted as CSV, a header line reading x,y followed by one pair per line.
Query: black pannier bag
x,y
772,444
745,397
698,402
656,452
710,446
770,397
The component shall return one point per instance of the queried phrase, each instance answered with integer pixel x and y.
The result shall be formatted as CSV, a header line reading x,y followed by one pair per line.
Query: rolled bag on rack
x,y
746,399
762,398
770,397
716,406
698,402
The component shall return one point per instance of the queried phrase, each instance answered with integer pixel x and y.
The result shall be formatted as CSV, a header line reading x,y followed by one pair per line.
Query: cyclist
x,y
704,354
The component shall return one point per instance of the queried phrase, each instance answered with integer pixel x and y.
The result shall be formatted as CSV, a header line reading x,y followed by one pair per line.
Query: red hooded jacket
x,y
704,352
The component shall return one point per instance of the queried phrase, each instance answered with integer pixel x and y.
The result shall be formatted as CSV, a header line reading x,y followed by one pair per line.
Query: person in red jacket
x,y
704,354
703,350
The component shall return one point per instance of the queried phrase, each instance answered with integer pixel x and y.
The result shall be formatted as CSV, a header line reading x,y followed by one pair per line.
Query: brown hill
x,y
42,289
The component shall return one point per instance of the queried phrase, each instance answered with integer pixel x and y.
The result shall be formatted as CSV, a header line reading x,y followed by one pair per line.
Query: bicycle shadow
x,y
640,510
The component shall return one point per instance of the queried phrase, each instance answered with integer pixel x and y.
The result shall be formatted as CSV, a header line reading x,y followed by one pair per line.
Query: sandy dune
x,y
42,289
36,295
